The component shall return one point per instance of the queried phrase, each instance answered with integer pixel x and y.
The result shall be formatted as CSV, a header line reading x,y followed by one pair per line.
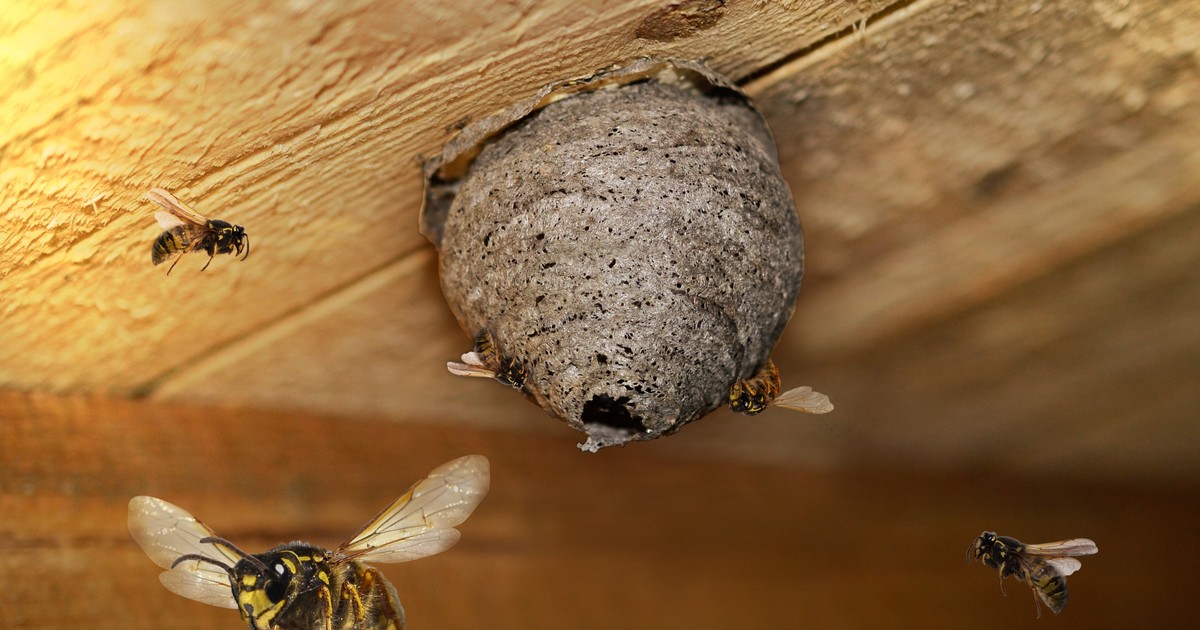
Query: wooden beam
x,y
377,348
304,125
626,538
950,151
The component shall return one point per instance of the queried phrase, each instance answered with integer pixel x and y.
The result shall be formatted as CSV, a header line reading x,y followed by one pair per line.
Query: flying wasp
x,y
486,361
1043,567
752,395
298,586
185,230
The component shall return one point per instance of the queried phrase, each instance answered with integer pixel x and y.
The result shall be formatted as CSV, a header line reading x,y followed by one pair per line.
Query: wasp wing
x,y
421,522
175,207
474,358
464,369
201,584
1064,566
165,532
804,399
167,221
1073,547
472,365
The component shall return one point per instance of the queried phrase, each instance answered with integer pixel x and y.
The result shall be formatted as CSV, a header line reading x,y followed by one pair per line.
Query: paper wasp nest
x,y
627,238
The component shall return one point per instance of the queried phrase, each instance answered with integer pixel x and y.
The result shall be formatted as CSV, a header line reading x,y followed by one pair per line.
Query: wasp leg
x,y
750,396
386,604
327,604
350,604
211,254
187,250
175,263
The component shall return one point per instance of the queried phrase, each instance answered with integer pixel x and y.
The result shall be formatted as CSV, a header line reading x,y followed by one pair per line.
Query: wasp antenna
x,y
217,540
202,558
247,237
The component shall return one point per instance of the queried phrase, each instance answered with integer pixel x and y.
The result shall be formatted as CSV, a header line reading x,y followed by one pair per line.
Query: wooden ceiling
x,y
1001,201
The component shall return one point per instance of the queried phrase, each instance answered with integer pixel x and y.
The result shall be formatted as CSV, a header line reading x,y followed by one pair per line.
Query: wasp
x,y
751,396
185,230
298,586
1043,567
486,361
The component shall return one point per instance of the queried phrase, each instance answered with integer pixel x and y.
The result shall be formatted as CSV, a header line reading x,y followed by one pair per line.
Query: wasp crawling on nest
x,y
185,230
298,586
1043,567
751,396
485,361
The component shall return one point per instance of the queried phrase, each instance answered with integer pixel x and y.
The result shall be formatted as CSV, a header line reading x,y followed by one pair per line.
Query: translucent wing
x,y
1064,566
1073,547
472,365
462,369
804,399
166,220
166,532
201,583
474,358
421,522
174,207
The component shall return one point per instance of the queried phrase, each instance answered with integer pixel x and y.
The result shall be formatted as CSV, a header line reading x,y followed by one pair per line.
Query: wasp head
x,y
512,373
265,584
751,396
998,552
744,399
230,238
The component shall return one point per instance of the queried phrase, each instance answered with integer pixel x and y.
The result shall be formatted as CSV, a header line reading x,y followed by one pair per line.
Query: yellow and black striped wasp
x,y
753,395
185,230
485,361
1043,567
298,586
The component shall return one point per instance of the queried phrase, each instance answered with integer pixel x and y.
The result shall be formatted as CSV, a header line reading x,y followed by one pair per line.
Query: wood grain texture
x,y
1000,201
952,150
627,538
303,122
967,323
378,348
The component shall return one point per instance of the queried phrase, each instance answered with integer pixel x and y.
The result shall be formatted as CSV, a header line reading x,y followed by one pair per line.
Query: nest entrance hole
x,y
613,413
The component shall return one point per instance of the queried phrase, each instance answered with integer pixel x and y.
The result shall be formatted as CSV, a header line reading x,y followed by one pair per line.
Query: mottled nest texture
x,y
628,239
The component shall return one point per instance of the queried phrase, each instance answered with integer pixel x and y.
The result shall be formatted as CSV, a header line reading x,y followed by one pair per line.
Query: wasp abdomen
x,y
169,243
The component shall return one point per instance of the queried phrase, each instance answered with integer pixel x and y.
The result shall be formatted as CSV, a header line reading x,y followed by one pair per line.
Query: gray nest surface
x,y
634,246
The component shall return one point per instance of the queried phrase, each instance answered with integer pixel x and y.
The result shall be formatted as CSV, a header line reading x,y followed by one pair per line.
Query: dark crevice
x,y
613,413
849,30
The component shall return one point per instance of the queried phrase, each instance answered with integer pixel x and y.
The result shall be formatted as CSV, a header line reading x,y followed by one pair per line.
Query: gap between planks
x,y
833,44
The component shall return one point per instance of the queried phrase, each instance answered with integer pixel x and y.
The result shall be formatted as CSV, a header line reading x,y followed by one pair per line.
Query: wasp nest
x,y
627,241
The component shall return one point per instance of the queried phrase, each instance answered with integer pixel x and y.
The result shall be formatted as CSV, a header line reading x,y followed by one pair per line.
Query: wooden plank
x,y
951,151
929,363
627,538
305,124
1088,372
377,349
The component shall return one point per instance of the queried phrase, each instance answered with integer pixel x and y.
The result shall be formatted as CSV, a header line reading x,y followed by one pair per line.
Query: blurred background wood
x,y
628,538
1002,209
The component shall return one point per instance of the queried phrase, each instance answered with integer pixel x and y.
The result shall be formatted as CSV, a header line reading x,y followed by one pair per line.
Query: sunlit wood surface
x,y
1001,203
1002,212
